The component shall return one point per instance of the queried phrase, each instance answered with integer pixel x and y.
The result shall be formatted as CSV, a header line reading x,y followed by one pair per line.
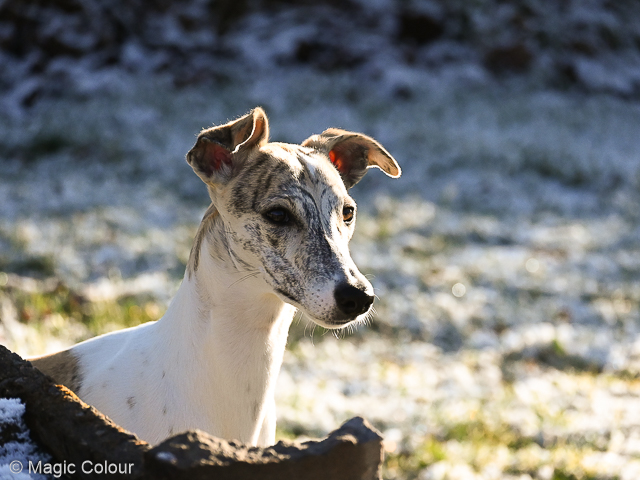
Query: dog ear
x,y
352,154
220,151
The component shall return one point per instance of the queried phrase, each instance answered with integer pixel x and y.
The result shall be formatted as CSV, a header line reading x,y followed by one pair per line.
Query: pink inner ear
x,y
337,161
216,155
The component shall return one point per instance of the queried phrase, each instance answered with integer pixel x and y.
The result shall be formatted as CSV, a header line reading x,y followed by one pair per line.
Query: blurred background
x,y
506,259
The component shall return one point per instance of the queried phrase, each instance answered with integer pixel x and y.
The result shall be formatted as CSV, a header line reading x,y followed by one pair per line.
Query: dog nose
x,y
351,300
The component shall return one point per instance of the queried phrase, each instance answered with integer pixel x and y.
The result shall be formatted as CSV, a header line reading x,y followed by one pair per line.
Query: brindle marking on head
x,y
297,182
62,367
257,182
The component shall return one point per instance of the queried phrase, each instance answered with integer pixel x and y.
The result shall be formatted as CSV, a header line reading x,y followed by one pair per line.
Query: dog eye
x,y
347,214
278,215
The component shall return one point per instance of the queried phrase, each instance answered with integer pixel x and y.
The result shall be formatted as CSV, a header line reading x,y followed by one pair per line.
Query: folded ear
x,y
352,154
220,151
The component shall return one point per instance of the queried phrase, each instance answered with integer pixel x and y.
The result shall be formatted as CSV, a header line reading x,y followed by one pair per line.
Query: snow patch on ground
x,y
18,450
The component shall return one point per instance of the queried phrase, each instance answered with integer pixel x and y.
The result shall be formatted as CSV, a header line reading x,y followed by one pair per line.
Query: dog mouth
x,y
336,322
350,304
339,323
288,297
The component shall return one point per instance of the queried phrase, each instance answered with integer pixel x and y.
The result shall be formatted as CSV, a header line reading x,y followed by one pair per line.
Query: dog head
x,y
286,214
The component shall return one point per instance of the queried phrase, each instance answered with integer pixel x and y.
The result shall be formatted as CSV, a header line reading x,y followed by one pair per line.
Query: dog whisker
x,y
250,275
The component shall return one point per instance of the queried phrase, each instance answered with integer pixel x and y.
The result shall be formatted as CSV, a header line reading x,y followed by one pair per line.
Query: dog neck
x,y
227,335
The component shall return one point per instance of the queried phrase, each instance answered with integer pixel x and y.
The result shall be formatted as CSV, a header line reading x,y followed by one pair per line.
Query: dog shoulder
x,y
62,366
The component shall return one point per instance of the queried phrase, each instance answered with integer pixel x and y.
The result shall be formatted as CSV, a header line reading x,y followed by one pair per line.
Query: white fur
x,y
227,344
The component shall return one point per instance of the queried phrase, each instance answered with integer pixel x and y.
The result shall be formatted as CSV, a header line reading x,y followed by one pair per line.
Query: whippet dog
x,y
274,240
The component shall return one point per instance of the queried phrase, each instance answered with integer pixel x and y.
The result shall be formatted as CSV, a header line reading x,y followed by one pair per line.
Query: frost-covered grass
x,y
17,449
458,416
44,316
507,337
